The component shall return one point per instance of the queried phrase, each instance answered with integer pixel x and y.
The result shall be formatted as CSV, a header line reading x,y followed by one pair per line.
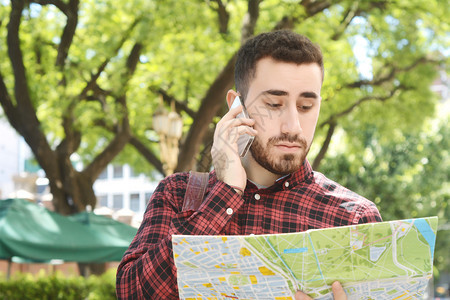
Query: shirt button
x,y
286,184
257,196
229,211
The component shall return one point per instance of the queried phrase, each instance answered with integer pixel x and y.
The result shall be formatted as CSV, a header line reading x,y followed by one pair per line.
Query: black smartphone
x,y
245,140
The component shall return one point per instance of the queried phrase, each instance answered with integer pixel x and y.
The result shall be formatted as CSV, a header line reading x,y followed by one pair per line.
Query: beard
x,y
280,164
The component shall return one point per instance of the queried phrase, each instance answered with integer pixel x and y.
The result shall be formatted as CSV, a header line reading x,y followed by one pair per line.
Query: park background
x,y
83,83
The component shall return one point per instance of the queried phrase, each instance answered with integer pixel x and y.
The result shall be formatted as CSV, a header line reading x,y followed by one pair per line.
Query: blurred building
x,y
441,85
124,192
12,148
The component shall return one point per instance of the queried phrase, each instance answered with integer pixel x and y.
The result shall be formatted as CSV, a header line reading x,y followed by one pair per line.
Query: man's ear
x,y
230,97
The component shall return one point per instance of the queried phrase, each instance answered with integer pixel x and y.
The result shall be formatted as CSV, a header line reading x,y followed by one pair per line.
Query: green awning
x,y
32,232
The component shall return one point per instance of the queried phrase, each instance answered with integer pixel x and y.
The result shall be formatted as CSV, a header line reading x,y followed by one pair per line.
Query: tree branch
x,y
68,32
378,80
8,106
72,138
122,136
323,150
224,16
100,162
92,83
122,129
250,19
332,120
311,7
179,106
57,3
16,57
348,110
27,124
133,58
149,156
99,95
348,17
24,115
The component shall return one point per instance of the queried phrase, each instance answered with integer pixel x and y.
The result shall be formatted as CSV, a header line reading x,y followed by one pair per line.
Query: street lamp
x,y
169,127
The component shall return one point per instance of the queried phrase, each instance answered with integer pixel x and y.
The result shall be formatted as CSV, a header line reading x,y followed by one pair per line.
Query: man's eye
x,y
304,107
273,105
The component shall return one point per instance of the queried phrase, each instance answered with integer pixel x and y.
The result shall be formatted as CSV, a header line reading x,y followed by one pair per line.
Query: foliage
x,y
56,286
94,72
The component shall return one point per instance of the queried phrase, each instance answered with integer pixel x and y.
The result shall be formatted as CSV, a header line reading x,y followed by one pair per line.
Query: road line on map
x,y
282,260
317,259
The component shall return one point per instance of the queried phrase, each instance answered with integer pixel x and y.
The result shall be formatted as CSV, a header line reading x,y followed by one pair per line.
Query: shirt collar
x,y
303,174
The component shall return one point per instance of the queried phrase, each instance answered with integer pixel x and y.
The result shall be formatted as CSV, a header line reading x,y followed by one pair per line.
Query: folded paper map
x,y
388,260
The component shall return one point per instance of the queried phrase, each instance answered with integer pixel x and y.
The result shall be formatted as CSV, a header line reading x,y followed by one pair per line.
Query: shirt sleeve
x,y
147,269
368,213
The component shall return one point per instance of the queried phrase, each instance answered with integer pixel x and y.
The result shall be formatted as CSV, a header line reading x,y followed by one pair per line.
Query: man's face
x,y
284,99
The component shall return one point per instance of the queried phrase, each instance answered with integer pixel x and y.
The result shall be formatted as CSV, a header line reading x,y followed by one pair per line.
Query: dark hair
x,y
281,45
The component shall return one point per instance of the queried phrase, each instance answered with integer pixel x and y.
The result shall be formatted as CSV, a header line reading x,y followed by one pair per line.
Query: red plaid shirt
x,y
297,202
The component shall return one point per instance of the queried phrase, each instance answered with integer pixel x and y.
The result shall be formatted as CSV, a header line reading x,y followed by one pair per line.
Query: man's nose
x,y
290,121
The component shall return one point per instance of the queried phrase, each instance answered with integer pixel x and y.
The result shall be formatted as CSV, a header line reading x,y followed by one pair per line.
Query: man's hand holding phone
x,y
231,131
244,140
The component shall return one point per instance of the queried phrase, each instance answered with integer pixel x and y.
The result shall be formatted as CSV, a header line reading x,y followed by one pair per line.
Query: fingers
x,y
301,296
231,128
240,122
338,291
336,287
230,132
232,113
230,119
240,130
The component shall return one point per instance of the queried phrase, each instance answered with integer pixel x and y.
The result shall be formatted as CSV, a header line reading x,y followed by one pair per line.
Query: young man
x,y
272,189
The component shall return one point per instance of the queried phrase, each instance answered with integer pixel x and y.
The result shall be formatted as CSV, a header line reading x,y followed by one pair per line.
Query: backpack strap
x,y
195,190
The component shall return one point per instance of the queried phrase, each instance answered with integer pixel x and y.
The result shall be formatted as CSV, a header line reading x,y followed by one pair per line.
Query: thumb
x,y
302,296
338,291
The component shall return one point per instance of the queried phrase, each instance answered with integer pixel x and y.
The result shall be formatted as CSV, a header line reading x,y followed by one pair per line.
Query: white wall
x,y
9,157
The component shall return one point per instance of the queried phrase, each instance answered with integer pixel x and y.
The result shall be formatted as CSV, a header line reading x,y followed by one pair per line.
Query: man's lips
x,y
288,147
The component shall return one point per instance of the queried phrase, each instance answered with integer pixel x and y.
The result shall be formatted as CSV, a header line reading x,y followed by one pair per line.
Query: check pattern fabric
x,y
300,201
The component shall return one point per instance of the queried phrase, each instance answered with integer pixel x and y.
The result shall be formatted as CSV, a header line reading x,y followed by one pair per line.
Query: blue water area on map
x,y
427,232
295,250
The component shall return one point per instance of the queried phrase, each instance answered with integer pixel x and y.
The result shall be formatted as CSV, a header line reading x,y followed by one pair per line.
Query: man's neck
x,y
256,173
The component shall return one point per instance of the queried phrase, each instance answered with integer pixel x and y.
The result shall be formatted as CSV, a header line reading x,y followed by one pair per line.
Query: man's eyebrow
x,y
274,93
284,93
309,95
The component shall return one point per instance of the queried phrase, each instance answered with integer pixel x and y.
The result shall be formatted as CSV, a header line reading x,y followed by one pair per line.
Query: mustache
x,y
284,137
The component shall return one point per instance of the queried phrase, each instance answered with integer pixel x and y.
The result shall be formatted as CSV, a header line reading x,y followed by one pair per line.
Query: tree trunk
x,y
72,193
211,104
87,269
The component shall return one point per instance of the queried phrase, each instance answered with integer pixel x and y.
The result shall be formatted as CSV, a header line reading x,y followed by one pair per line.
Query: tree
x,y
83,77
